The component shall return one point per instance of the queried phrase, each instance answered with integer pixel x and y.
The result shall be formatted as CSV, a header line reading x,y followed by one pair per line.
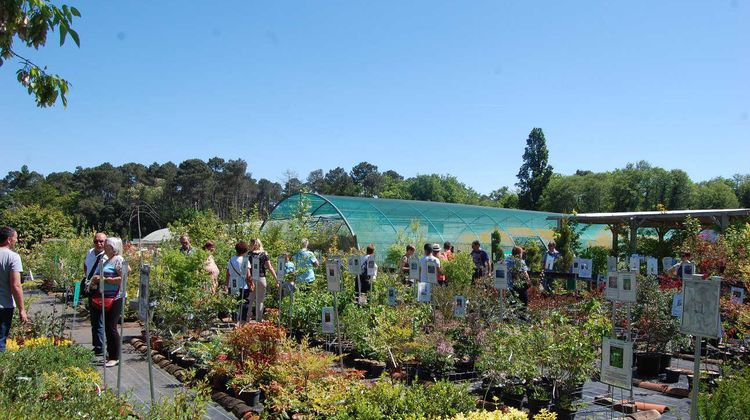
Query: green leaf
x,y
74,35
63,33
75,11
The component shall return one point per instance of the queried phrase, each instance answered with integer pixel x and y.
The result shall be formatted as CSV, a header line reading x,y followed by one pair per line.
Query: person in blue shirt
x,y
548,260
306,263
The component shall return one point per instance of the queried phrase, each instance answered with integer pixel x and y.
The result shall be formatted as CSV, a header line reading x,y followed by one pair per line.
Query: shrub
x,y
729,400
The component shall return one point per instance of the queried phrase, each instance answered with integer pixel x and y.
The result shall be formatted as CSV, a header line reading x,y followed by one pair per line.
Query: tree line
x,y
112,198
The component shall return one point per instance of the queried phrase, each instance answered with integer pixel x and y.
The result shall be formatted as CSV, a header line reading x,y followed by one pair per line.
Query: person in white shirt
x,y
11,293
366,275
423,262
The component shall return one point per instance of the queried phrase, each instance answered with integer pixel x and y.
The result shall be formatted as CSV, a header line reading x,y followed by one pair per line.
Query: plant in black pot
x,y
657,330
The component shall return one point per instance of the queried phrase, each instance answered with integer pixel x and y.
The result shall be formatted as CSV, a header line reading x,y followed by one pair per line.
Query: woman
x,y
519,275
110,278
210,267
264,265
238,272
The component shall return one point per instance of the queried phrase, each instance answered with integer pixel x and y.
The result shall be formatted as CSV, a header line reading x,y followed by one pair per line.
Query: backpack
x,y
363,276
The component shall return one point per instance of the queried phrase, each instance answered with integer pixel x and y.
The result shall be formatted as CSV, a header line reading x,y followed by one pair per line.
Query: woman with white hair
x,y
110,277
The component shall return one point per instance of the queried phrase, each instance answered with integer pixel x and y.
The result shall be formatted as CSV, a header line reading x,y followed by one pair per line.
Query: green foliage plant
x,y
729,400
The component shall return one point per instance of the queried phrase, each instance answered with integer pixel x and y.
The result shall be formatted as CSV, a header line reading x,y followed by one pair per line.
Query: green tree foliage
x,y
30,21
535,172
716,194
566,240
35,224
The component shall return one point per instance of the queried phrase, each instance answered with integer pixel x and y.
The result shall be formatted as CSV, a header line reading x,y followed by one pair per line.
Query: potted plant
x,y
656,327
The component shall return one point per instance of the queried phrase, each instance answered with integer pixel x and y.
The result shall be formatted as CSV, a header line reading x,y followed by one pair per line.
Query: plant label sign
x,y
576,265
549,262
652,266
413,268
611,264
584,268
391,296
143,292
621,287
667,263
256,267
688,269
432,270
354,265
700,309
738,295
459,306
327,320
635,263
500,275
424,292
333,277
617,363
76,294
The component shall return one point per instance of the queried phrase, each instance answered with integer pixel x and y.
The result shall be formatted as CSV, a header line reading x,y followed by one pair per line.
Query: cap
x,y
436,247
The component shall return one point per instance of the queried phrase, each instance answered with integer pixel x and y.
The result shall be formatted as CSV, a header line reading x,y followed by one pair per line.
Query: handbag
x,y
86,283
96,303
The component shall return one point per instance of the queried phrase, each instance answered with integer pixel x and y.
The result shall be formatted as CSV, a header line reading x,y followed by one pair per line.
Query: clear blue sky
x,y
415,86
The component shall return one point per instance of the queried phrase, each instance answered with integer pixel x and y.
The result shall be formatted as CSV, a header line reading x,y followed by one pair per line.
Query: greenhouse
x,y
380,221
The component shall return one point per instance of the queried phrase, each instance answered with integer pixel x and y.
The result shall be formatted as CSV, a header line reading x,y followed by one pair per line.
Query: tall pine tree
x,y
535,172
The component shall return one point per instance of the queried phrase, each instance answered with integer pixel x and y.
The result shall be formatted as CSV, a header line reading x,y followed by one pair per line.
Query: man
x,y
676,270
94,258
428,256
305,262
185,247
548,260
11,293
481,261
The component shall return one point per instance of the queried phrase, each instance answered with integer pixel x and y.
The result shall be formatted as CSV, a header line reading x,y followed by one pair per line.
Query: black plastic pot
x,y
512,399
536,406
564,413
648,365
250,397
665,361
672,376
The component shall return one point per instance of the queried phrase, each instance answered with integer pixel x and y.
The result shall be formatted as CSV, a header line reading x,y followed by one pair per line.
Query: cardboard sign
x,y
413,268
617,363
372,268
677,304
76,293
327,320
459,306
635,263
256,267
391,296
738,295
688,269
333,277
652,266
237,281
500,275
584,268
621,287
611,264
424,292
143,292
432,270
700,310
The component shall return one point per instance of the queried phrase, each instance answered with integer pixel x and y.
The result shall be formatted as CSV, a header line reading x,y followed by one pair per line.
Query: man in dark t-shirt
x,y
481,261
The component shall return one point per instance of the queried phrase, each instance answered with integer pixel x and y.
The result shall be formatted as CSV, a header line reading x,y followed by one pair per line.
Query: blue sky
x,y
417,87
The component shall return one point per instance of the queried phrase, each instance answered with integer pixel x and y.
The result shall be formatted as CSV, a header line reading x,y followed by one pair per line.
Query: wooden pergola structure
x,y
661,221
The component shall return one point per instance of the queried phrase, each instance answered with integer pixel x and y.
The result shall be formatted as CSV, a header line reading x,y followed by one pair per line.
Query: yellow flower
x,y
11,345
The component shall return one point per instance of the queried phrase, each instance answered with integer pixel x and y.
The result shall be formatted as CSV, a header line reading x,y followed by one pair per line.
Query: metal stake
x,y
696,379
123,293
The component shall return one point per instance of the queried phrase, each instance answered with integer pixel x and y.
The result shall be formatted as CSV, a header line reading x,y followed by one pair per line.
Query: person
x,y
91,262
305,262
447,251
11,293
410,249
518,275
235,271
548,261
481,261
428,256
110,280
366,276
676,270
185,246
288,278
210,267
440,256
260,282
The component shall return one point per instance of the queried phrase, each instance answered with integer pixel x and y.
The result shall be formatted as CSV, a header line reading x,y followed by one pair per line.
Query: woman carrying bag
x,y
264,266
110,278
